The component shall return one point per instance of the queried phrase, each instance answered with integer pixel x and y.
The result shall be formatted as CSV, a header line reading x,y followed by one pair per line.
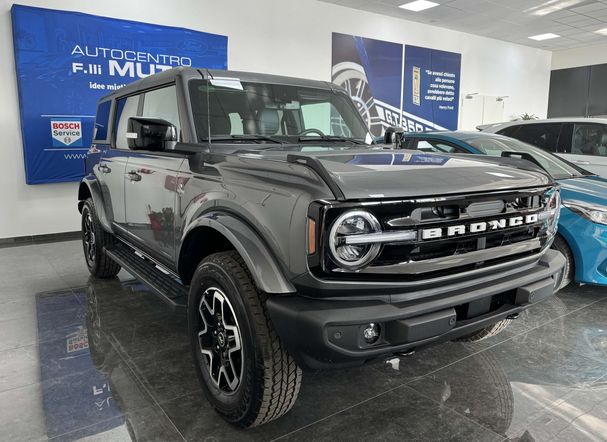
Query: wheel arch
x,y
569,240
90,188
218,231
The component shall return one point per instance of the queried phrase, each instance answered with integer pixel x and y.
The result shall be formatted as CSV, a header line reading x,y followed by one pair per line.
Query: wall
x,y
572,58
288,37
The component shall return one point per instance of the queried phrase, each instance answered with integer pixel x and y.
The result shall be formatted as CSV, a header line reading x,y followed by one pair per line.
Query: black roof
x,y
187,73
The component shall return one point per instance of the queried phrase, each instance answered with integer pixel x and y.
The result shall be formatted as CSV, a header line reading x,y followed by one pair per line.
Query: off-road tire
x,y
270,379
101,266
569,270
487,332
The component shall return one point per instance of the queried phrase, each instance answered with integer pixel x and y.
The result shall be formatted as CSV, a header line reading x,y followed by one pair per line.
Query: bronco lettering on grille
x,y
479,227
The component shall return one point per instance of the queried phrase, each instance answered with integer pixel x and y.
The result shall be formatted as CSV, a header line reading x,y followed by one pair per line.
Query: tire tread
x,y
487,332
276,370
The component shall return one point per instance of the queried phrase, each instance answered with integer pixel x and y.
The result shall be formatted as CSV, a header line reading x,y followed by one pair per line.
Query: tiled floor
x,y
106,360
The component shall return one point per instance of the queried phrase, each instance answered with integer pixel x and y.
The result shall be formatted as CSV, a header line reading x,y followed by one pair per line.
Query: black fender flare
x,y
264,269
94,189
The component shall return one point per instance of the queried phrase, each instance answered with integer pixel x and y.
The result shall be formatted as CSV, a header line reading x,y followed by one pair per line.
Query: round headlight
x,y
352,255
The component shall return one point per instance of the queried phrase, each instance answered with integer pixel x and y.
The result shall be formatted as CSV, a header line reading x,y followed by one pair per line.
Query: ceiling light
x,y
601,31
552,6
541,37
418,5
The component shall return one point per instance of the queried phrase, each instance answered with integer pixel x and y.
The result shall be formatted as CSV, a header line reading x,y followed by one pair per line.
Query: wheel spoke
x,y
88,238
235,337
361,89
232,384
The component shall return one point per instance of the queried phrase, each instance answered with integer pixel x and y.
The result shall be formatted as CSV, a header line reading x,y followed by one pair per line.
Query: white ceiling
x,y
511,20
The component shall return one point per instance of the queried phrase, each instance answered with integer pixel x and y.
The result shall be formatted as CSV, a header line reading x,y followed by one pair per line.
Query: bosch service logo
x,y
66,133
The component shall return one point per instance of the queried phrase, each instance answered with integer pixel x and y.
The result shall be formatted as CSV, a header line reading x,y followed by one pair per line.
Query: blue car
x,y
582,234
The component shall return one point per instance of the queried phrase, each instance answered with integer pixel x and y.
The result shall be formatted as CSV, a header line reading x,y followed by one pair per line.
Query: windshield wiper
x,y
243,138
331,138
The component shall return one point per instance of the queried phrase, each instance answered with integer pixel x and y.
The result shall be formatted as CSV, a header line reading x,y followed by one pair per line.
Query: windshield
x,y
228,110
555,166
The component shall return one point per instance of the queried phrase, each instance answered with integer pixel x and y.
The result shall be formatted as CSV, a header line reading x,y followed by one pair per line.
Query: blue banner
x,y
431,88
66,61
419,91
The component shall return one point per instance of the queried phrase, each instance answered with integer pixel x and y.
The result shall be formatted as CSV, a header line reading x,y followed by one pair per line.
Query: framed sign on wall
x,y
398,85
65,61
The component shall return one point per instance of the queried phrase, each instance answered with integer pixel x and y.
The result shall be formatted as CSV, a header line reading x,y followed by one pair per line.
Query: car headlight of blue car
x,y
595,213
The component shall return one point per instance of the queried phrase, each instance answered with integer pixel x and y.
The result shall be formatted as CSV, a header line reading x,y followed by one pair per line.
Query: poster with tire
x,y
371,71
397,85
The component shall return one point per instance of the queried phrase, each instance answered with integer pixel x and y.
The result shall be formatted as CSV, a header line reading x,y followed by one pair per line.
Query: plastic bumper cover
x,y
328,333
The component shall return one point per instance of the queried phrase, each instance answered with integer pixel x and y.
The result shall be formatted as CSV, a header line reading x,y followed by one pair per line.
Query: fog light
x,y
371,333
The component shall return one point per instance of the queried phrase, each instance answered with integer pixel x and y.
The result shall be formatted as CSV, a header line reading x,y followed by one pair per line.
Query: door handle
x,y
104,169
133,176
584,163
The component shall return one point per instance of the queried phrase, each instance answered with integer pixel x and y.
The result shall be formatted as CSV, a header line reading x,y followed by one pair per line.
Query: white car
x,y
582,141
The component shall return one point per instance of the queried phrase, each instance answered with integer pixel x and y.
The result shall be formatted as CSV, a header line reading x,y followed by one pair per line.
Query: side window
x,y
438,146
589,139
326,118
162,104
545,136
318,116
509,131
125,108
102,121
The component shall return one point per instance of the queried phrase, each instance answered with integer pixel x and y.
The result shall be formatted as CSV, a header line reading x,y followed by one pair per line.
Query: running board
x,y
159,280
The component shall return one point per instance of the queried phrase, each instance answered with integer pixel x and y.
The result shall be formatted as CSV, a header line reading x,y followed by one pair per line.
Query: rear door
x,y
152,183
586,146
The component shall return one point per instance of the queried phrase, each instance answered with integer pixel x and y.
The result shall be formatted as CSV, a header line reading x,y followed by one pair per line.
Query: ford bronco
x,y
264,207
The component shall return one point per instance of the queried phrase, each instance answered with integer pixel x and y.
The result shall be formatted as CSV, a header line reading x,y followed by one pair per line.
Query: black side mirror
x,y
150,134
394,135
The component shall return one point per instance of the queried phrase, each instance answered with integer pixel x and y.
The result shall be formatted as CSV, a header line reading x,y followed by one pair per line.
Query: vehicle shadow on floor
x,y
115,360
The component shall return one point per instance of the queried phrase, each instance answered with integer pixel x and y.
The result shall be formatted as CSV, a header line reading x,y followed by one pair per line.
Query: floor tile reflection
x,y
85,359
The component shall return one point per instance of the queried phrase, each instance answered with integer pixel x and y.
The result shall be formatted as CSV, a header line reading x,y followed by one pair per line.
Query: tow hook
x,y
512,316
405,353
394,361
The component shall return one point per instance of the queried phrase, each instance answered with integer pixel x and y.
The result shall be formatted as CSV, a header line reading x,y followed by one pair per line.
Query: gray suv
x,y
262,206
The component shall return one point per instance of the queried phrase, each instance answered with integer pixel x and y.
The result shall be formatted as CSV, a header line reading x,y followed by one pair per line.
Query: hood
x,y
591,189
381,174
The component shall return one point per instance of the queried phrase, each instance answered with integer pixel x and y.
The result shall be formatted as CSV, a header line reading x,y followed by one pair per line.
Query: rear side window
x,y
125,109
589,139
102,120
544,135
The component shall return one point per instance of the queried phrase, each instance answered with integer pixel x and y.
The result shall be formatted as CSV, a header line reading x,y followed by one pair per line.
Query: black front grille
x,y
440,213
424,250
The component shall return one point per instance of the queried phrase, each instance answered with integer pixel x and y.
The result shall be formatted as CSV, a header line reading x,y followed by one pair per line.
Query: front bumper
x,y
328,333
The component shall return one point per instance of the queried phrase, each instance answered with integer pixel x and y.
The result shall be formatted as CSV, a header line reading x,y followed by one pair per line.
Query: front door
x,y
151,191
151,183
